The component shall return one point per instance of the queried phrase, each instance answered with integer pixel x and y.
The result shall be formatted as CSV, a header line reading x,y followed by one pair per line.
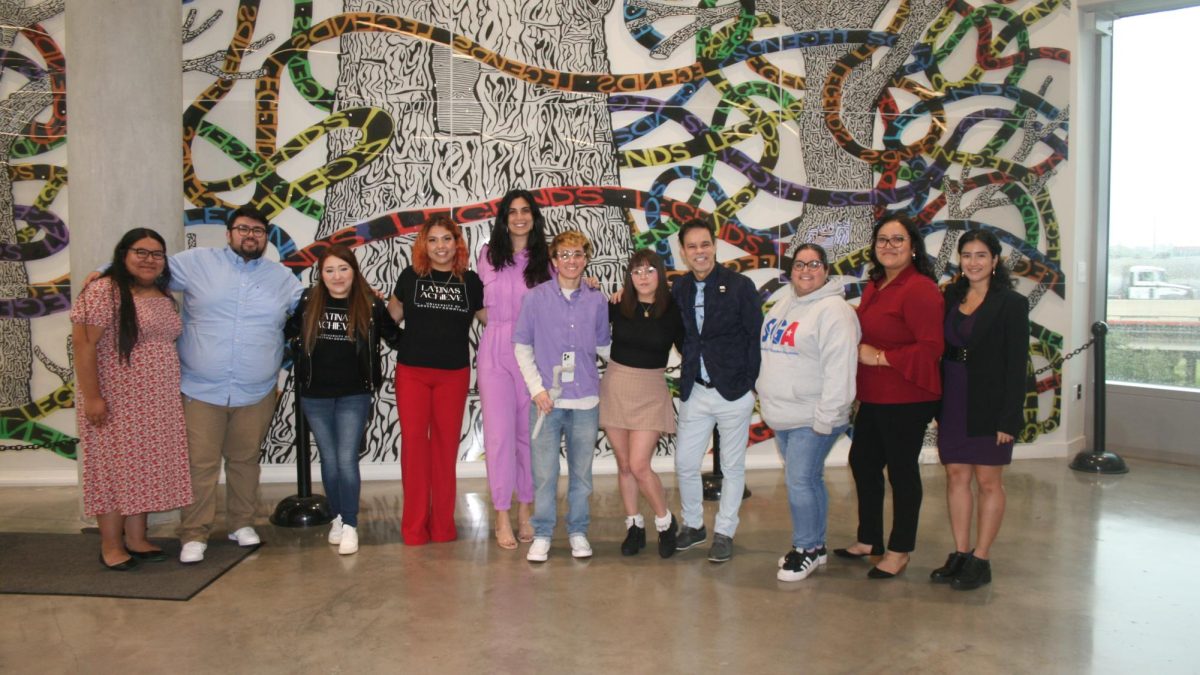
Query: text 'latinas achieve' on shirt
x,y
438,310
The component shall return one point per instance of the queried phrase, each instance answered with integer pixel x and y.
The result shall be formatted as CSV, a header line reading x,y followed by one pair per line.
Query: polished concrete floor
x,y
1092,574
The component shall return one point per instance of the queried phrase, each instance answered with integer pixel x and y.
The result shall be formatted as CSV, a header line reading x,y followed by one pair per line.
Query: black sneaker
x,y
635,540
975,573
722,548
667,539
690,537
821,553
797,565
946,573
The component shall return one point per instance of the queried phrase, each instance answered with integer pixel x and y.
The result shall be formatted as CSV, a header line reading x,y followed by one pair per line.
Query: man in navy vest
x,y
722,317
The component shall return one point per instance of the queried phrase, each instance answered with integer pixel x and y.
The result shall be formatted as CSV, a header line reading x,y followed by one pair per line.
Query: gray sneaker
x,y
690,537
722,549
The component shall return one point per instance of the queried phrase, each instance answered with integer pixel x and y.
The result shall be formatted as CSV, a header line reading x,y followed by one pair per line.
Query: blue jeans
x,y
337,424
581,429
703,410
804,452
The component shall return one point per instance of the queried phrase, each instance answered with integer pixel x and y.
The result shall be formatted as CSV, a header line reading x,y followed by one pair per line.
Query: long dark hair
x,y
500,249
358,316
1001,279
662,297
123,281
920,257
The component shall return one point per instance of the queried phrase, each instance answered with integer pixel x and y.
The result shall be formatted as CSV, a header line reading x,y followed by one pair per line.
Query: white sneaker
x,y
245,536
580,548
539,550
193,552
349,543
335,531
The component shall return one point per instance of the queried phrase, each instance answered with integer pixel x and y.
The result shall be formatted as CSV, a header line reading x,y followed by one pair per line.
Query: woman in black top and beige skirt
x,y
635,404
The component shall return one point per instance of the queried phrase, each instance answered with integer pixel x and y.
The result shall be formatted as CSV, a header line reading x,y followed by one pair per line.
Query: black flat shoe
x,y
847,553
876,573
123,566
149,556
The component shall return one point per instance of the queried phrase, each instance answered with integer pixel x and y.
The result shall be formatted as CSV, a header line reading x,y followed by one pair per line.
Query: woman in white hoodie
x,y
805,388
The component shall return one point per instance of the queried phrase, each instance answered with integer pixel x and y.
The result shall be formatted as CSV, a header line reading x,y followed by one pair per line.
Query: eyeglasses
x,y
890,242
570,255
643,271
811,264
246,230
143,253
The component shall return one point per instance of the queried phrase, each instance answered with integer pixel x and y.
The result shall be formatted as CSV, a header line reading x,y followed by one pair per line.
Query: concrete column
x,y
124,158
124,85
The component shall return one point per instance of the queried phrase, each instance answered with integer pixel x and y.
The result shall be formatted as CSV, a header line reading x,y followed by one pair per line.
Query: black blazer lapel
x,y
985,319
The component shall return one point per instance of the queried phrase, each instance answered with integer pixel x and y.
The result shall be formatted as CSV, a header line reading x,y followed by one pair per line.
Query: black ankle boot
x,y
975,573
947,572
635,540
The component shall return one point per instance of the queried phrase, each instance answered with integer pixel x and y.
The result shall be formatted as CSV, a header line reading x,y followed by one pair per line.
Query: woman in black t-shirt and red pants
x,y
437,297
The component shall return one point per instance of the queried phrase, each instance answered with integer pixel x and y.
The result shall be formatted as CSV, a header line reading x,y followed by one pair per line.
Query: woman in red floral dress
x,y
128,407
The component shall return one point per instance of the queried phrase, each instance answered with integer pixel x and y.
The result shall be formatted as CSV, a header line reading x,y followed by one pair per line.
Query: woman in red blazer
x,y
899,389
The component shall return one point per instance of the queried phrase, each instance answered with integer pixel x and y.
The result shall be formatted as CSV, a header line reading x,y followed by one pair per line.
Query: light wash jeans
x,y
703,410
338,423
804,453
580,428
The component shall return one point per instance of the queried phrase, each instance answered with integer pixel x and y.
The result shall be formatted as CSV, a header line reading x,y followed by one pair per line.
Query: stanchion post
x,y
303,509
1099,459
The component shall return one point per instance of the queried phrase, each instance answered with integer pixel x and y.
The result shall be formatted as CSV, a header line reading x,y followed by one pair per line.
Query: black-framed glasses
x,y
891,242
144,253
811,264
246,230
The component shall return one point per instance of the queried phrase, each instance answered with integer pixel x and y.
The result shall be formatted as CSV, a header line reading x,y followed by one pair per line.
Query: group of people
x,y
546,330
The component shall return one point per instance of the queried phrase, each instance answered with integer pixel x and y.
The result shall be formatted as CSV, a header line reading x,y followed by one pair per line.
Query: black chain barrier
x,y
1057,363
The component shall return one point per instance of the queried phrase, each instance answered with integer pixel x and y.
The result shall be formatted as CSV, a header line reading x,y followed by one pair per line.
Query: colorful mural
x,y
36,382
786,121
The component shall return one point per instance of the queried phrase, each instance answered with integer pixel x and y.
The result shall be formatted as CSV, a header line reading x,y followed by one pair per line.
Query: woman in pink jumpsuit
x,y
515,259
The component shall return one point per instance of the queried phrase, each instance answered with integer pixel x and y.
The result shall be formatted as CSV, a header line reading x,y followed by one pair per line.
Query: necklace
x,y
646,307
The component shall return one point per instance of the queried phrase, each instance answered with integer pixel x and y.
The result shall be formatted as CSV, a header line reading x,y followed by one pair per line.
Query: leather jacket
x,y
368,354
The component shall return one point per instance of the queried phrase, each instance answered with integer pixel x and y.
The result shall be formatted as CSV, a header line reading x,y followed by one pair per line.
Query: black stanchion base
x,y
1099,462
712,488
297,511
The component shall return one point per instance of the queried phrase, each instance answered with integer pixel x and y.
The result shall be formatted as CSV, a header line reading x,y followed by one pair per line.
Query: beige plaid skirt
x,y
636,399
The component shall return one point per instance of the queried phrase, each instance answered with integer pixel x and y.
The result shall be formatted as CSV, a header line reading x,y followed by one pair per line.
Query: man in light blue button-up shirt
x,y
235,303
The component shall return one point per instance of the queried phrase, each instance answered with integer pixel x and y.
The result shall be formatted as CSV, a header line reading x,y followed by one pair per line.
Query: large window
x,y
1154,210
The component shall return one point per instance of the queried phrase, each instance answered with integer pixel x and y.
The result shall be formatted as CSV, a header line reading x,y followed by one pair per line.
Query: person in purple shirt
x,y
562,327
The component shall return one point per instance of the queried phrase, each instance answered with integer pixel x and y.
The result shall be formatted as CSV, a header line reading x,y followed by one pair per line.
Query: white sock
x,y
635,519
661,524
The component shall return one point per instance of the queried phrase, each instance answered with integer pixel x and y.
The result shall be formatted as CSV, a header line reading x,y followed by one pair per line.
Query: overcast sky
x,y
1155,140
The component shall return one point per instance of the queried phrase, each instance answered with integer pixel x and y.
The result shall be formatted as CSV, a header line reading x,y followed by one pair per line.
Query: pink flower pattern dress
x,y
137,461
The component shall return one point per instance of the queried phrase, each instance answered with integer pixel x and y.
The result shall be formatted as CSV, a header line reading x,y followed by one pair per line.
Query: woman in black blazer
x,y
985,373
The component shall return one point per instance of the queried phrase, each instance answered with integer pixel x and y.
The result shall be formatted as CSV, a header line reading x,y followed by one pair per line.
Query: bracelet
x,y
878,352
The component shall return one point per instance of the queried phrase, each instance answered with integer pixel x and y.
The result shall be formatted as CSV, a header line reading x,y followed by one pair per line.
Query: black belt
x,y
955,354
700,381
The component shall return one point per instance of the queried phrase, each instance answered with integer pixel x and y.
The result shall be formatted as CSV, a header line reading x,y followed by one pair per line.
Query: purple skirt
x,y
954,445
